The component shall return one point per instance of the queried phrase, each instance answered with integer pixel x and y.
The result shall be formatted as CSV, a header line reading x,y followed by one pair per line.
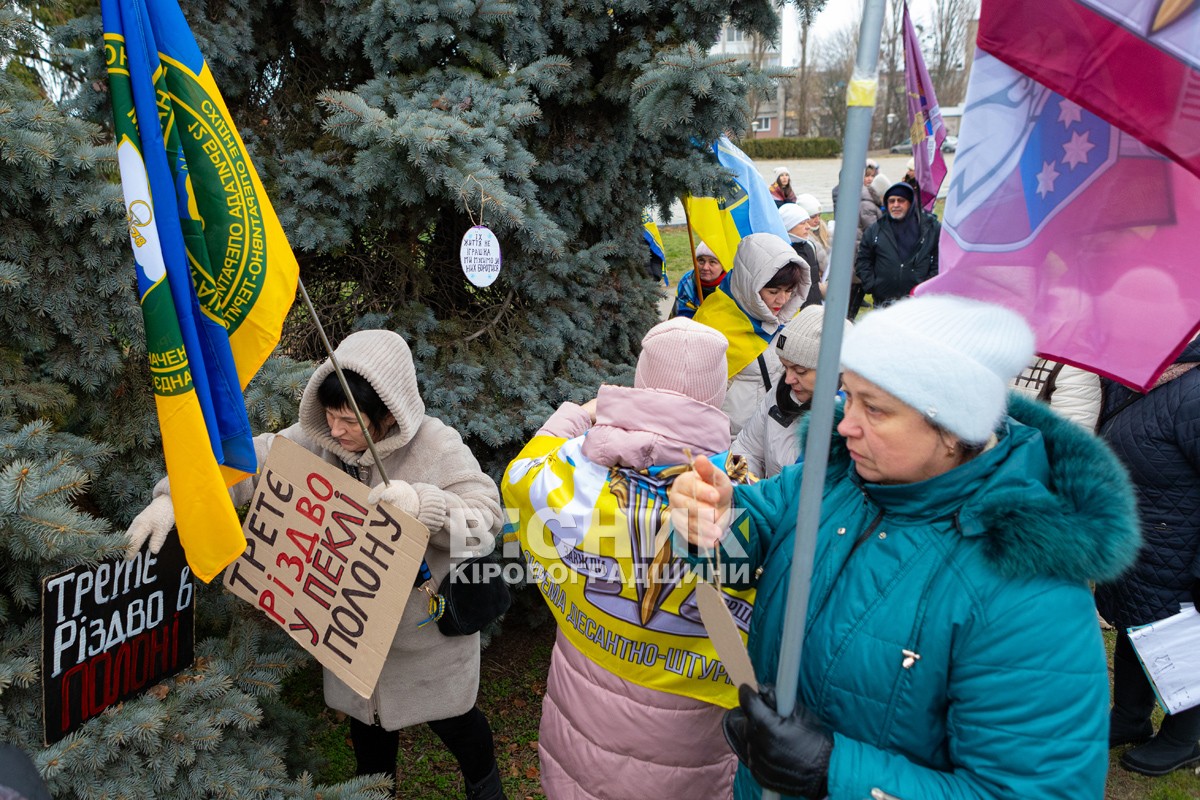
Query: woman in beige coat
x,y
428,677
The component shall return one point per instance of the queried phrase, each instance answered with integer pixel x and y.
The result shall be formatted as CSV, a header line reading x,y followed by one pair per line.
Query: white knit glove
x,y
153,523
400,494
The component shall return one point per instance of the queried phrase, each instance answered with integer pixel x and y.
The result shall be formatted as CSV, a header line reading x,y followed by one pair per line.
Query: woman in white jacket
x,y
765,289
768,441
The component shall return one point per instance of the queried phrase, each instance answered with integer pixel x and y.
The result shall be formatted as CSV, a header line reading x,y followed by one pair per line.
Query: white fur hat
x,y
948,357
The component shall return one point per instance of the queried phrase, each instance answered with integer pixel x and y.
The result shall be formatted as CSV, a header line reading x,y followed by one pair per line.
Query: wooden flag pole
x,y
337,368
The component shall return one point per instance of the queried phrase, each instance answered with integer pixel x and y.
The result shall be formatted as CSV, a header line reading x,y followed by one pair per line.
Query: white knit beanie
x,y
792,215
704,250
948,357
810,204
800,340
683,356
782,171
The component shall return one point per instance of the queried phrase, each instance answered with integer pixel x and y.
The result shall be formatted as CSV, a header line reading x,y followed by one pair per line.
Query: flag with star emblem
x,y
1065,211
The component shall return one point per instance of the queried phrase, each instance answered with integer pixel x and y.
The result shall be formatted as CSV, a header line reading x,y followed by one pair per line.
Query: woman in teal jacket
x,y
951,649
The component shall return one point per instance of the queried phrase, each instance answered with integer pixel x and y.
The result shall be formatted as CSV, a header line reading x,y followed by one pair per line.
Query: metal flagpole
x,y
860,97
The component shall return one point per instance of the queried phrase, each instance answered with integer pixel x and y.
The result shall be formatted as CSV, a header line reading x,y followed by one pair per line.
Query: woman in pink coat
x,y
636,692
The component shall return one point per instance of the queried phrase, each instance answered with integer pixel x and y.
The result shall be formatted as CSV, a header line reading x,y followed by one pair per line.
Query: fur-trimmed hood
x,y
1080,523
384,360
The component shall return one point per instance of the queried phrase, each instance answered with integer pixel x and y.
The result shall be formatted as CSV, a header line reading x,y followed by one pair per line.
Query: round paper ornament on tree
x,y
479,255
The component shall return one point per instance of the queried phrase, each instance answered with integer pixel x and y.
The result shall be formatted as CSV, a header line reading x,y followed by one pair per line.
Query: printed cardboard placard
x,y
112,630
325,566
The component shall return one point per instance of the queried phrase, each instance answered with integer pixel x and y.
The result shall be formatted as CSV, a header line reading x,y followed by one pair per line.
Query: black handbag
x,y
475,593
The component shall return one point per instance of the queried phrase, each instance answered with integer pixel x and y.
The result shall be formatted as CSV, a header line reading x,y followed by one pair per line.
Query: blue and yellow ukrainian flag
x,y
654,242
216,276
747,207
745,334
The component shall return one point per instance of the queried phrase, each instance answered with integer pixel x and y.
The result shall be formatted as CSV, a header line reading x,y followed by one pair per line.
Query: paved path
x,y
817,176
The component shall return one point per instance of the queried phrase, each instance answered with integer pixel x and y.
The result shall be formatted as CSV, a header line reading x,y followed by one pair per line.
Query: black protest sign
x,y
111,630
322,564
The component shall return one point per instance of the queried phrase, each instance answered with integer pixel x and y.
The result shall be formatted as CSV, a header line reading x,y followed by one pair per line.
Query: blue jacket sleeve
x,y
1027,712
687,296
762,512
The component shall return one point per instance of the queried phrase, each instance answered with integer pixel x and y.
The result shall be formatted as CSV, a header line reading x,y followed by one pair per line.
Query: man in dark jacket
x,y
1157,435
900,250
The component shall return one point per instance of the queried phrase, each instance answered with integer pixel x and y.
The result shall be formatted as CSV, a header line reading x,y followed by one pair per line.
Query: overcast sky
x,y
838,13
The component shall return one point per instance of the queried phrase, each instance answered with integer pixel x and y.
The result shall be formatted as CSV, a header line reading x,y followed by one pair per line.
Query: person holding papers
x,y
951,647
1157,435
427,677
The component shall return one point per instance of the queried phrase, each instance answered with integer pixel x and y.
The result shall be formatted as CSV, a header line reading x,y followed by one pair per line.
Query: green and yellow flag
x,y
216,276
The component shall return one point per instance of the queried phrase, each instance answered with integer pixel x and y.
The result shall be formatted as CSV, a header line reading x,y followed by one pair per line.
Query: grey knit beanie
x,y
800,340
683,356
948,357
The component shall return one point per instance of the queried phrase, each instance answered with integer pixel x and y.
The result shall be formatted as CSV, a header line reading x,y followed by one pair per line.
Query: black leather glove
x,y
789,756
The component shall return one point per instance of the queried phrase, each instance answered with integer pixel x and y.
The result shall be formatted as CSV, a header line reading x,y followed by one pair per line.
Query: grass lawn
x,y
513,679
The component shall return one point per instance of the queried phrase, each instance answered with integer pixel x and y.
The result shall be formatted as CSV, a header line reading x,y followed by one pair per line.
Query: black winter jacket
x,y
807,252
1158,438
886,273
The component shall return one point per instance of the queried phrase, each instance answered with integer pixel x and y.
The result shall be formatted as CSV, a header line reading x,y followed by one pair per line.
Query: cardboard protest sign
x,y
725,635
325,566
111,630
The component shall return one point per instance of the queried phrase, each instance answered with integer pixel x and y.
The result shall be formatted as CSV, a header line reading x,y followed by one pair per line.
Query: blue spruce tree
x,y
383,131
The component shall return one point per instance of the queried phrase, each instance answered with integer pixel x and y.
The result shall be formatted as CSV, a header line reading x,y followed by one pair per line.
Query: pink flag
x,y
1072,222
1136,63
926,128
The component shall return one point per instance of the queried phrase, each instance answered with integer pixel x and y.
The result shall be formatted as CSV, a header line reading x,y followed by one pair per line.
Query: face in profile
x,y
801,380
889,441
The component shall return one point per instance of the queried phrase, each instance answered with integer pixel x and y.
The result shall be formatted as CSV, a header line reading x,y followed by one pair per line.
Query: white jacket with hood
x,y
759,256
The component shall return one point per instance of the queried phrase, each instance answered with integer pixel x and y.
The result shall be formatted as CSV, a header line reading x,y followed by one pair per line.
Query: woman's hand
x,y
700,500
590,408
788,754
400,494
154,523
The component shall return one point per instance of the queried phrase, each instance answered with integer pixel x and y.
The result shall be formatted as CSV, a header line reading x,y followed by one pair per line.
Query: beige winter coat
x,y
427,676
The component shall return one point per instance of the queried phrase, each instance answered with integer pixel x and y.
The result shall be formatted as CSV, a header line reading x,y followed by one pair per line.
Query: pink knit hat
x,y
683,356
